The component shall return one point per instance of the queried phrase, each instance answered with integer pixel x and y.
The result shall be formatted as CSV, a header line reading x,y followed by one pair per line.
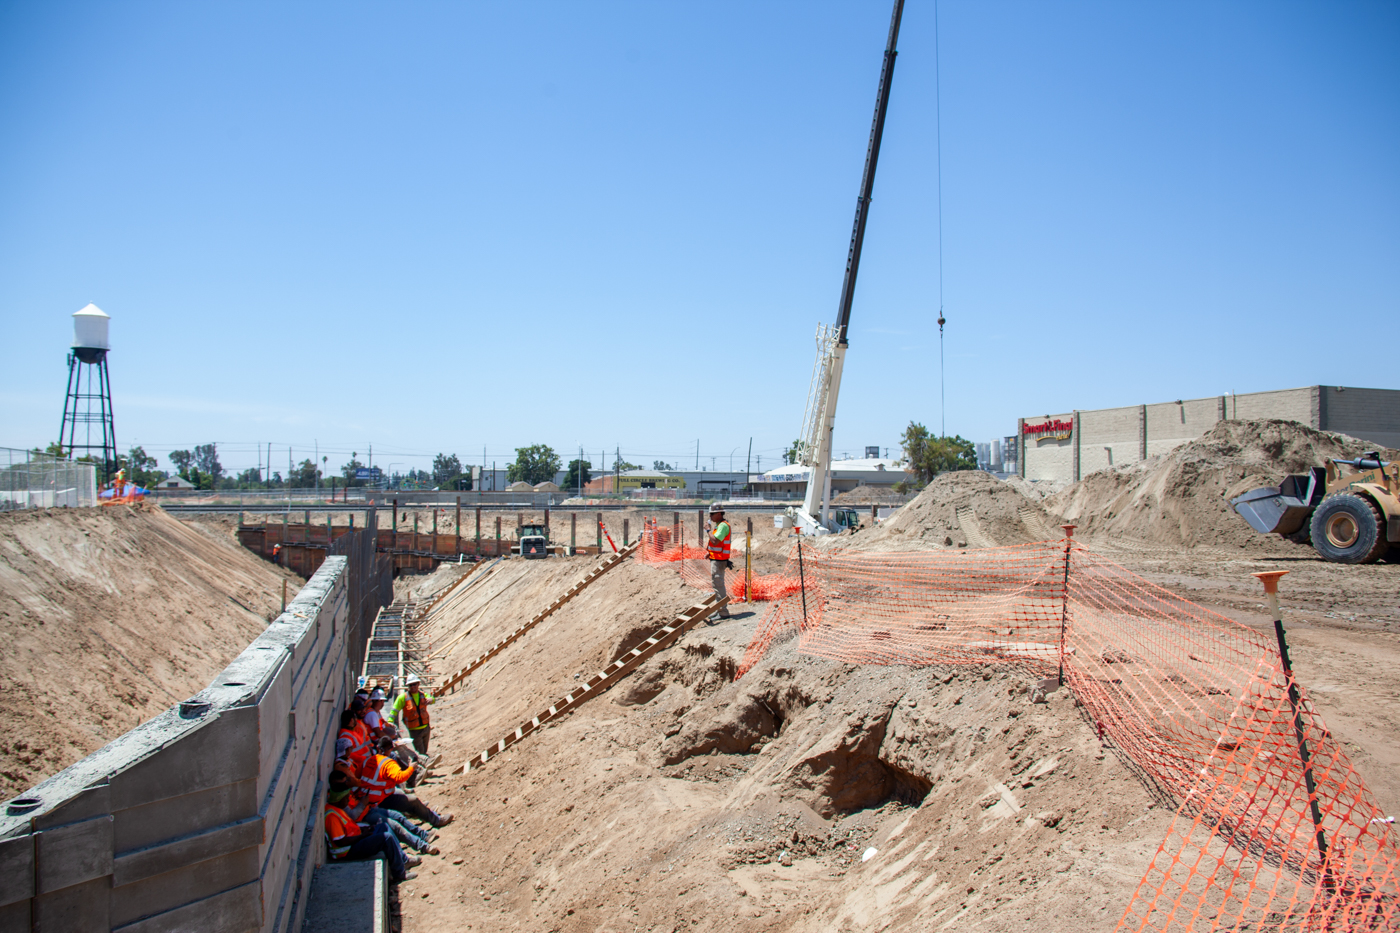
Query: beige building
x,y
1066,447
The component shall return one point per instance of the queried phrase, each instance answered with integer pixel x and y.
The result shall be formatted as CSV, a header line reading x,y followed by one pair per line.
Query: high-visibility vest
x,y
415,715
341,831
718,546
359,748
375,784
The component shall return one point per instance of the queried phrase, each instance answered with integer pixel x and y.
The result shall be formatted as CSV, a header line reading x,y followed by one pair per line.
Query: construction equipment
x,y
1350,509
533,541
819,421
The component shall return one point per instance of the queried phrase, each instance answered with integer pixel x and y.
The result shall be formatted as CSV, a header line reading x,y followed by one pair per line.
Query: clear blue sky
x,y
438,227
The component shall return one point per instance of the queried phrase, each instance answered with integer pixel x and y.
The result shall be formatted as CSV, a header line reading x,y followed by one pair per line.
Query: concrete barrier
x,y
207,817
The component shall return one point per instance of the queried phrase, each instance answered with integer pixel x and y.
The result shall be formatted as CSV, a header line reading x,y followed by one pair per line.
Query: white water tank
x,y
90,329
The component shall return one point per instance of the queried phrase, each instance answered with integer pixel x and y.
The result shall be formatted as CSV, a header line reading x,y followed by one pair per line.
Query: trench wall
x,y
205,817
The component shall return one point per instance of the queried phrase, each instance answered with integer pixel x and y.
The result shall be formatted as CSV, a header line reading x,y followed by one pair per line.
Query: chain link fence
x,y
30,480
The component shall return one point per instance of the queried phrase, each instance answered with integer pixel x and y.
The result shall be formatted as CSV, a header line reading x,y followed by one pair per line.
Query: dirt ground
x,y
110,615
818,796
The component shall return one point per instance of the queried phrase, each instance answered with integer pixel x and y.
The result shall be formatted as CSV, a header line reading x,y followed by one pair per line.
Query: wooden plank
x,y
611,562
604,679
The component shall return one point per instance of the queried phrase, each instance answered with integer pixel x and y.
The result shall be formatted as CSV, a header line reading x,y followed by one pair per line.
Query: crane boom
x,y
831,349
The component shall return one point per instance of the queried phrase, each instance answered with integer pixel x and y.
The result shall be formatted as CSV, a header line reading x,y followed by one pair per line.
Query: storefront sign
x,y
1057,427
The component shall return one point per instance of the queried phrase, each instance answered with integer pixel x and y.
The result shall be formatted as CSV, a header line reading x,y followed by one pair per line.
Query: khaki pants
x,y
717,578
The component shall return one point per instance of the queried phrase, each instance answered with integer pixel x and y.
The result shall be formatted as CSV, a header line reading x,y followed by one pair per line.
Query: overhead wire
x,y
938,135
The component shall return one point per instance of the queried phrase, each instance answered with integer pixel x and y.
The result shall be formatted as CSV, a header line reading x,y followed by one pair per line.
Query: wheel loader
x,y
1349,510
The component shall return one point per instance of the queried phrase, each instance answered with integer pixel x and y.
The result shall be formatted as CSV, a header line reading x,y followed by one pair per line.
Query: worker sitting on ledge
x,y
347,839
717,553
341,793
382,776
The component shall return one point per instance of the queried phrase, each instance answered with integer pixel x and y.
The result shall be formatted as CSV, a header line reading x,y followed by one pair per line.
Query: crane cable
x,y
938,123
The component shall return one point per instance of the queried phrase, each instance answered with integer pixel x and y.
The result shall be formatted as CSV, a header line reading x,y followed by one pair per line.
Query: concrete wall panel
x,y
139,864
72,854
17,916
169,890
16,871
84,805
228,911
223,750
82,908
146,825
1369,414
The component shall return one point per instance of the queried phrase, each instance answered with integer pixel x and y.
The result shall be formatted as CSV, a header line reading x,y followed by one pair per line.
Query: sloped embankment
x,y
964,509
109,616
683,799
1181,498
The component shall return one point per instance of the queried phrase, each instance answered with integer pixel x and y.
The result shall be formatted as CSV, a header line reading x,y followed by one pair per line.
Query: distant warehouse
x,y
1068,446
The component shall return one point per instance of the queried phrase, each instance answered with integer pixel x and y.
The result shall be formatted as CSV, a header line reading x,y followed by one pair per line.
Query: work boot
x,y
433,762
413,861
407,876
443,820
433,850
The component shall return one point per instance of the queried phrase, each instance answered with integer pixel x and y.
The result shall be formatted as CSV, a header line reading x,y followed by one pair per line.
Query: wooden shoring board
x,y
435,618
601,681
612,561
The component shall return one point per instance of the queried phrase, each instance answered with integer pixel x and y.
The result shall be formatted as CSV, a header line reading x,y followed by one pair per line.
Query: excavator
x,y
1349,510
815,441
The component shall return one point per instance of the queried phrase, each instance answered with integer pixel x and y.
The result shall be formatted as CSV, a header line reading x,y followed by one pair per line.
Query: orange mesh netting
x,y
1198,702
661,544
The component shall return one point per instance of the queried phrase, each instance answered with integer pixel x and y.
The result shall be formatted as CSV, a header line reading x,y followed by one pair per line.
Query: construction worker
x,y
353,729
717,552
374,716
411,713
348,839
381,776
341,792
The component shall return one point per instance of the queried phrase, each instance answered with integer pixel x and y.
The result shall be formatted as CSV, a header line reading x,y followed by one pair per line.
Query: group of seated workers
x,y
369,812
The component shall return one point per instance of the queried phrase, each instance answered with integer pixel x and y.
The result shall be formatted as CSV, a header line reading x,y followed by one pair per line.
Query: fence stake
x,y
498,536
1064,602
748,561
457,527
306,525
478,531
625,530
396,522
1270,580
573,532
802,577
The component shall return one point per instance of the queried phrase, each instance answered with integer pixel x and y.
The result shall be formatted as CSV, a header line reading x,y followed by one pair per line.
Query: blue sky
x,y
443,227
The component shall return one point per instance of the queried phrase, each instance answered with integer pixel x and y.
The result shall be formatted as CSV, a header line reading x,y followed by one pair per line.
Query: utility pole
x,y
748,466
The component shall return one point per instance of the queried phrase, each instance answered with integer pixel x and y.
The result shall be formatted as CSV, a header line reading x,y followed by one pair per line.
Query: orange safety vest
x,y
718,547
415,716
374,782
359,748
341,831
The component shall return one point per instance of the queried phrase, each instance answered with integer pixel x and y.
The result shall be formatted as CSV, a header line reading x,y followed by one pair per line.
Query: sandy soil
x,y
110,615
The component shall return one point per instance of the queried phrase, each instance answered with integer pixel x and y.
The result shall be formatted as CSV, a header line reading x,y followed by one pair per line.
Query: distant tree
x,y
623,466
348,470
534,464
445,467
661,465
573,480
305,475
183,460
250,477
55,449
206,459
925,456
791,455
141,468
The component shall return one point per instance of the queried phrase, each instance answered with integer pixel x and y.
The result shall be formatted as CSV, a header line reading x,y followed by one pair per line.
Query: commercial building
x,y
1070,445
629,480
790,482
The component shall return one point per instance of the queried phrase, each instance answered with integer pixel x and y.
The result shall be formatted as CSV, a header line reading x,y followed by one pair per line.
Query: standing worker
x,y
411,713
717,553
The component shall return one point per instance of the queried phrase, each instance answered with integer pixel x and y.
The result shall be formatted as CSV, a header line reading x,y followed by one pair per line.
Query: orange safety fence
x,y
1199,703
661,545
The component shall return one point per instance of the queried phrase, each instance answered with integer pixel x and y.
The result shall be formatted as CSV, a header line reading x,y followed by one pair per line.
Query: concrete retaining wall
x,y
207,817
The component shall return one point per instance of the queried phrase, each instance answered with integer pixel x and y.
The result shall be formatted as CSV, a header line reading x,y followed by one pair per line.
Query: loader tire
x,y
1347,529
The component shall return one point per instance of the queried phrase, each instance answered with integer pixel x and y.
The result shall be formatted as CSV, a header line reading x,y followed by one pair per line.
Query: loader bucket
x,y
1282,509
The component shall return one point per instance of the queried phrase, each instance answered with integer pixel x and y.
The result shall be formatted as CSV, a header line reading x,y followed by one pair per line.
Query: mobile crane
x,y
819,420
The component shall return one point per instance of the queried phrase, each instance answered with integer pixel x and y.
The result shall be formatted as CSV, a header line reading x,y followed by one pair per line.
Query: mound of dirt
x,y
109,616
869,495
1181,498
969,508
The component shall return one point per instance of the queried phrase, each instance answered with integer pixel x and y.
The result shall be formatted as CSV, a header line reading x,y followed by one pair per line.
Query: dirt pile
x,y
110,615
869,495
1181,498
969,508
682,799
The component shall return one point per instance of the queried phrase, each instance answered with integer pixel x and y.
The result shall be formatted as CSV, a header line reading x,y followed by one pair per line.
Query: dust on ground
x,y
110,616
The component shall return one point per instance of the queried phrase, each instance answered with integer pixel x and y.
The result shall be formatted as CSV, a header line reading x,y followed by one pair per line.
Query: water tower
x,y
87,408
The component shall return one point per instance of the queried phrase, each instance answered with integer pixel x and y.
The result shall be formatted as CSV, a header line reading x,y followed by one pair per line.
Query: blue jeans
x,y
378,838
401,825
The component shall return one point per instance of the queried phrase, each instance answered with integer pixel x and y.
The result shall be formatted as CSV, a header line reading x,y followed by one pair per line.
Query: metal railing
x,y
30,480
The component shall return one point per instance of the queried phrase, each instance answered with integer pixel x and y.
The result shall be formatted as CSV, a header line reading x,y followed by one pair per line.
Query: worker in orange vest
x,y
341,792
381,777
411,712
348,839
717,553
